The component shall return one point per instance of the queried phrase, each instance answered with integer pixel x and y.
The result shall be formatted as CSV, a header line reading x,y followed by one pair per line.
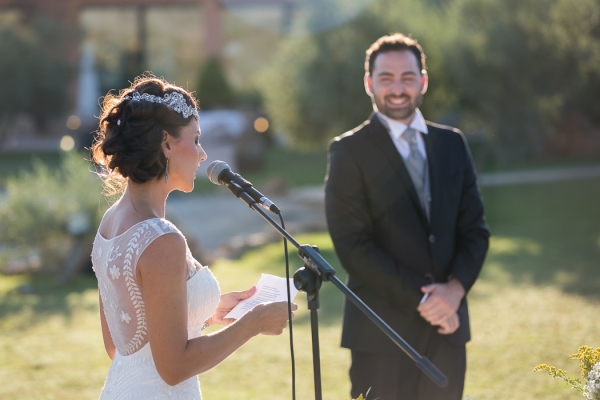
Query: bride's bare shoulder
x,y
106,225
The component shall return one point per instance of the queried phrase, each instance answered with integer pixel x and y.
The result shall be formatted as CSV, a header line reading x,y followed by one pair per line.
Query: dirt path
x,y
539,175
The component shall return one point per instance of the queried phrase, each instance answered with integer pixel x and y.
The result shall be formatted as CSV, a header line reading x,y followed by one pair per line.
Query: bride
x,y
155,298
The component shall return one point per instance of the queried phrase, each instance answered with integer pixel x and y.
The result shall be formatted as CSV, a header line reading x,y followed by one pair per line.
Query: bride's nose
x,y
202,154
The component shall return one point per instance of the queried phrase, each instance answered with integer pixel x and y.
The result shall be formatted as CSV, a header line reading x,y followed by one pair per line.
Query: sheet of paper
x,y
268,289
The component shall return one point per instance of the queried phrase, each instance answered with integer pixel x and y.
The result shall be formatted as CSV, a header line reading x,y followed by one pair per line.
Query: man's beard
x,y
399,113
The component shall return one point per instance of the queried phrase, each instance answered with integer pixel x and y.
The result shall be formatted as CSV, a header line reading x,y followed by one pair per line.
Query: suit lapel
x,y
382,139
434,153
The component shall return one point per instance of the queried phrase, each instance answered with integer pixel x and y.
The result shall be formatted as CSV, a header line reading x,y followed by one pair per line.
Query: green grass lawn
x,y
537,300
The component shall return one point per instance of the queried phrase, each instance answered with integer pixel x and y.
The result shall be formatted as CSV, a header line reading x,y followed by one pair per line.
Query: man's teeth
x,y
397,101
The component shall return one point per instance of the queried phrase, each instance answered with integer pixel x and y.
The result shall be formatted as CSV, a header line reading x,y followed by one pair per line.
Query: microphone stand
x,y
309,279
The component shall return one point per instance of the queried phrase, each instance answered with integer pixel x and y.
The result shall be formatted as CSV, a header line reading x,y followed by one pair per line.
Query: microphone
x,y
220,173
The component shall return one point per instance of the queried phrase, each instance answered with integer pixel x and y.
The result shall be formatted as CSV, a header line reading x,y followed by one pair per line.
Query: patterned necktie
x,y
417,168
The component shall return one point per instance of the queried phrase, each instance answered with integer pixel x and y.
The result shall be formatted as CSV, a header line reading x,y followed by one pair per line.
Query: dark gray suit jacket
x,y
382,237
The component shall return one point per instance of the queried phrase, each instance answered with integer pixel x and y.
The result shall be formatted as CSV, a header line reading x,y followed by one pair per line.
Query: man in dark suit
x,y
406,218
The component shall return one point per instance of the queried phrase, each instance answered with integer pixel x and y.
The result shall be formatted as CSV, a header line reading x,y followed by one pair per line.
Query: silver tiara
x,y
174,100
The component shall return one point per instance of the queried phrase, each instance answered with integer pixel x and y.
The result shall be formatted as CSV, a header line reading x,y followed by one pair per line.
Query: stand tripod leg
x,y
309,281
314,326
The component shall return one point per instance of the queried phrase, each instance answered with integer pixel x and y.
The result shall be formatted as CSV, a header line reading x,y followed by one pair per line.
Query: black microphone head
x,y
214,170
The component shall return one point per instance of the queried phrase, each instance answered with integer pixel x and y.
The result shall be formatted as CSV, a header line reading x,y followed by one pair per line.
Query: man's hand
x,y
442,302
449,325
226,303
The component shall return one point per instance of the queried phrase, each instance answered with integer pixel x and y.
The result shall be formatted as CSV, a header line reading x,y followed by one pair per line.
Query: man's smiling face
x,y
396,85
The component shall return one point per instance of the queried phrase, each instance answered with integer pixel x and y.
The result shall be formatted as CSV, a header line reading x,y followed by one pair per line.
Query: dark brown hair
x,y
394,42
130,134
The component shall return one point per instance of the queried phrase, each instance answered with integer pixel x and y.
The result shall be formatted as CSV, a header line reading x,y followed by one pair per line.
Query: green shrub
x,y
38,206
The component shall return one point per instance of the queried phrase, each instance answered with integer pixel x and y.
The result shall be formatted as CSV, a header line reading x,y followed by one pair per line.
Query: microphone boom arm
x,y
241,194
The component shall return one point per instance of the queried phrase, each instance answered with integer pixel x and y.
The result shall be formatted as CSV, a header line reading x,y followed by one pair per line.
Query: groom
x,y
406,218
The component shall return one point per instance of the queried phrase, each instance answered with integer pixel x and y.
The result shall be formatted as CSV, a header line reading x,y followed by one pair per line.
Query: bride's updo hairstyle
x,y
130,134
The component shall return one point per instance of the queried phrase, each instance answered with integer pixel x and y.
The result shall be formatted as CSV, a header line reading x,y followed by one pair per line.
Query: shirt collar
x,y
397,128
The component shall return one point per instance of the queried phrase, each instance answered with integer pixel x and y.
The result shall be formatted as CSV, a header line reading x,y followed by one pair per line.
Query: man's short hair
x,y
394,42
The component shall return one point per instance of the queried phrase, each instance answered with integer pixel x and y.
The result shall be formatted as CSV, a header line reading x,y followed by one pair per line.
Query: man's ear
x,y
424,81
368,84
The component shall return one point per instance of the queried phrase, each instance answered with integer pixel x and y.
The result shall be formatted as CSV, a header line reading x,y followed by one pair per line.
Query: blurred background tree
x,y
521,66
36,65
313,89
214,90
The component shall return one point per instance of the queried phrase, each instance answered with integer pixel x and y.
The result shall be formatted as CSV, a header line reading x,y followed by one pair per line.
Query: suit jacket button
x,y
432,238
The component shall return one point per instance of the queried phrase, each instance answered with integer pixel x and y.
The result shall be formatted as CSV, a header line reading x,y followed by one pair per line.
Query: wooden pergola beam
x,y
68,12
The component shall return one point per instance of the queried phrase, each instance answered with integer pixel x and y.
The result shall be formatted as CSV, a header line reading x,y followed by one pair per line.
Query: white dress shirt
x,y
396,129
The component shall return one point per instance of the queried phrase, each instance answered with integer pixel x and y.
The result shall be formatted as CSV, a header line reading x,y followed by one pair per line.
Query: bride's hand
x,y
226,303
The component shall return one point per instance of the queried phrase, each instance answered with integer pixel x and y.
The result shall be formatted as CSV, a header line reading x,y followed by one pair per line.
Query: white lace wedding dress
x,y
133,374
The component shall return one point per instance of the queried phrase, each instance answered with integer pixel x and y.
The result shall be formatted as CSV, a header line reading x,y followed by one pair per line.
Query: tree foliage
x,y
314,89
214,90
519,65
